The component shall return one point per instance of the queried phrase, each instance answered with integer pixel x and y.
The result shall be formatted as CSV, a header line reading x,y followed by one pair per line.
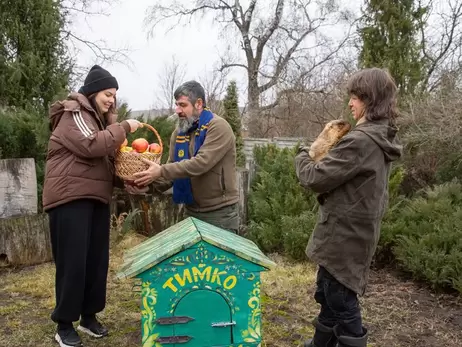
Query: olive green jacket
x,y
352,183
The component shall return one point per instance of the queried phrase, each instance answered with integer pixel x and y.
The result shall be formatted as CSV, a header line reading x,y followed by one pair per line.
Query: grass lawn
x,y
397,313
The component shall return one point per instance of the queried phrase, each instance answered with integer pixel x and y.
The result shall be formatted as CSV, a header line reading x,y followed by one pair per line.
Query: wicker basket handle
x,y
150,127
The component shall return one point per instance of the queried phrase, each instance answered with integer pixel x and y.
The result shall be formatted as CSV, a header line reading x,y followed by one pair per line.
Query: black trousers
x,y
80,245
339,305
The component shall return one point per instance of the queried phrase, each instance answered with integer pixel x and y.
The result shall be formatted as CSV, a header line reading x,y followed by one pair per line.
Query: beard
x,y
186,123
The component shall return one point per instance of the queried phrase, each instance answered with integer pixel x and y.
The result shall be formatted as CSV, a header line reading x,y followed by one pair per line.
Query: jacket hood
x,y
385,136
74,102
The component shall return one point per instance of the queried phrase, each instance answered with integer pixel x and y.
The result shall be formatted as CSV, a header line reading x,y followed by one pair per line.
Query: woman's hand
x,y
134,189
134,124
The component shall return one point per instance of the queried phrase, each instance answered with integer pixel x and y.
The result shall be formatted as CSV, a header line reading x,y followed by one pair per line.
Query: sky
x,y
197,47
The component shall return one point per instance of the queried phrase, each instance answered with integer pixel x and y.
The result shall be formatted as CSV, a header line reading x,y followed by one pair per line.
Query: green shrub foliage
x,y
282,214
428,236
422,235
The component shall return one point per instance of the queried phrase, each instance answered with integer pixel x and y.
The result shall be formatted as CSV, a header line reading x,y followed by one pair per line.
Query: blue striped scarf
x,y
182,191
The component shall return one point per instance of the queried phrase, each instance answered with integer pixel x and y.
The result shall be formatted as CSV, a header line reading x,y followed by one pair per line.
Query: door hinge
x,y
173,320
223,324
173,339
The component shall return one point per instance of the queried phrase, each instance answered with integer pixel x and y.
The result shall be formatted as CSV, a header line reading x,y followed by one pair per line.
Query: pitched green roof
x,y
182,236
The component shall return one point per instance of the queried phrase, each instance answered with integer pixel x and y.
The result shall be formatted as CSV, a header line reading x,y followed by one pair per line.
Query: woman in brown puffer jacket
x,y
79,180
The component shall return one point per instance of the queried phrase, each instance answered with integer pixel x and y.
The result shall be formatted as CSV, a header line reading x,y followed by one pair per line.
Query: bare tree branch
x,y
214,84
101,52
227,66
71,9
270,43
441,43
172,76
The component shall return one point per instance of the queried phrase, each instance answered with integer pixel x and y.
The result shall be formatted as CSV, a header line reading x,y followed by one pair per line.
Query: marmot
x,y
331,134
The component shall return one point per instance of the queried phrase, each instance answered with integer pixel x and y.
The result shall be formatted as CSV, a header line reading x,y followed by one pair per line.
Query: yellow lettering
x,y
186,276
216,276
169,284
227,281
200,273
204,274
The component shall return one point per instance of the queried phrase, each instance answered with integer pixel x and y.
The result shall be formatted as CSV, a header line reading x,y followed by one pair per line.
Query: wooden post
x,y
251,167
18,187
25,240
242,178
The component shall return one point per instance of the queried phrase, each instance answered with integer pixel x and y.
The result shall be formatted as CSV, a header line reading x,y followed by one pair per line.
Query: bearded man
x,y
202,162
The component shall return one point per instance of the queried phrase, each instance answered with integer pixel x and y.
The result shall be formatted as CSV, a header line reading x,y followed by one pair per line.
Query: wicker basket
x,y
129,163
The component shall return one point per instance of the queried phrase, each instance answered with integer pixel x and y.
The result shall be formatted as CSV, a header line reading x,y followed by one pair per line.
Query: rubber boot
x,y
348,341
323,336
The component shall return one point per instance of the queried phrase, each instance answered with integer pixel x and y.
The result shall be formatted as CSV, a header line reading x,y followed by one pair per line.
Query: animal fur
x,y
328,138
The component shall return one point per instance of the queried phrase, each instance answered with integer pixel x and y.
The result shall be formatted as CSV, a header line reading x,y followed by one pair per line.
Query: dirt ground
x,y
397,312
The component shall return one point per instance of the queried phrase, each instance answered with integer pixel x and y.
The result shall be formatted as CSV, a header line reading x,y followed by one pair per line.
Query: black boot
x,y
323,336
348,341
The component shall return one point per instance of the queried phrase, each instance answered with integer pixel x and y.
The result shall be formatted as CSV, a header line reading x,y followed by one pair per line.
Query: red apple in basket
x,y
154,148
140,145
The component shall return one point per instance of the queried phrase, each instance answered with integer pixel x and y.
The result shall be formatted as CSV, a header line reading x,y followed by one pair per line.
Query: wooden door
x,y
212,324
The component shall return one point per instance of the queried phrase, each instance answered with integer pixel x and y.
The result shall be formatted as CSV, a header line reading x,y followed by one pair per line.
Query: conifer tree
x,y
34,66
389,31
232,115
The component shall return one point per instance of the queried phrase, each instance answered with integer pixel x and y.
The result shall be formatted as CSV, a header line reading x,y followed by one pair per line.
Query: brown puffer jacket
x,y
81,149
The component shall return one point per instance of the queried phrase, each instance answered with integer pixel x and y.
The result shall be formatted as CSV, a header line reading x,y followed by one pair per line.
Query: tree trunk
x,y
253,105
25,240
157,213
18,187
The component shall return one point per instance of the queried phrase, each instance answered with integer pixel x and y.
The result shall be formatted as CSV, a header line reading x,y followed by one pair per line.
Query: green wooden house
x,y
200,286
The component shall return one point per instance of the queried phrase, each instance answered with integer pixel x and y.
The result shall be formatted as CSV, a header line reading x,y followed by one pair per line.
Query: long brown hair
x,y
112,109
377,89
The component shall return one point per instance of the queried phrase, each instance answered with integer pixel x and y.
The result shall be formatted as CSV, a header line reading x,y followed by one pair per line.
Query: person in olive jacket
x,y
79,180
352,186
202,162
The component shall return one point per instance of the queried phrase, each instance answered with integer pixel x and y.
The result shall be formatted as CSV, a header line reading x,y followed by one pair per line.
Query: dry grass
x,y
398,313
27,299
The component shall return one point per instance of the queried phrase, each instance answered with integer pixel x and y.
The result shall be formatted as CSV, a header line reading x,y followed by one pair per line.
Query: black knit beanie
x,y
98,79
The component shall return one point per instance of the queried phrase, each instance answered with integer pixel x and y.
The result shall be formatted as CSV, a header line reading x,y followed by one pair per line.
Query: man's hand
x,y
135,190
149,175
